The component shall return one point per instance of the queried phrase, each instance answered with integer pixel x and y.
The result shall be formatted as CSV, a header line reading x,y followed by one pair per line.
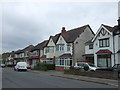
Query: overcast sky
x,y
26,23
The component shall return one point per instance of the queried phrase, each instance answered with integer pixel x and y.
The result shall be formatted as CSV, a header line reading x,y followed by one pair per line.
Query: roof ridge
x,y
78,27
107,25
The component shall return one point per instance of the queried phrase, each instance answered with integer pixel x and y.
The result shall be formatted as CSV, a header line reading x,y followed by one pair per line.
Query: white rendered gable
x,y
51,43
99,30
61,40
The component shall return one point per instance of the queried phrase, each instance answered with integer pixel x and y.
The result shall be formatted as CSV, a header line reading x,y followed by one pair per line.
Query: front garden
x,y
97,74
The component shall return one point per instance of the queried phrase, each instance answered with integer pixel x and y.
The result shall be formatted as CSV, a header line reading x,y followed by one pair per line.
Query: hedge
x,y
44,66
97,74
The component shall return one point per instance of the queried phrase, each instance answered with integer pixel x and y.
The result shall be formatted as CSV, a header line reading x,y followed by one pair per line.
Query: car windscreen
x,y
92,65
115,66
79,64
23,64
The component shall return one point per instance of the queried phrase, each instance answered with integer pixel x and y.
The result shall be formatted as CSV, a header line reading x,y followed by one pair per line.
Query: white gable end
x,y
51,43
61,40
102,31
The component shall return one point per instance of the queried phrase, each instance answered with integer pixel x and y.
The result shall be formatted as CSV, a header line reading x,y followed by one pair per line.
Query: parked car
x,y
91,66
21,66
115,67
2,65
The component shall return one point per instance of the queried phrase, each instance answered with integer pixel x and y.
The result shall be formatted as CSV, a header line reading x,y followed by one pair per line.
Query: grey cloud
x,y
31,23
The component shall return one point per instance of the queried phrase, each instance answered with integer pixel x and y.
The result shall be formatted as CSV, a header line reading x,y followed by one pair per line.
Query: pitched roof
x,y
89,42
28,48
55,38
72,34
18,51
40,45
111,29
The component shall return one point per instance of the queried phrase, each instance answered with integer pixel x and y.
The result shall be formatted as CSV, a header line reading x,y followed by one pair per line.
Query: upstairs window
x,y
60,47
57,47
104,42
68,47
91,46
35,53
49,49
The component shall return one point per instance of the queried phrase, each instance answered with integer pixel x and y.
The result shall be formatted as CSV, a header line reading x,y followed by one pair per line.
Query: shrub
x,y
45,66
50,66
72,68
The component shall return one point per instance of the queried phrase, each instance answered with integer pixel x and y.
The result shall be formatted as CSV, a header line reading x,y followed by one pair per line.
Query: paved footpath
x,y
76,77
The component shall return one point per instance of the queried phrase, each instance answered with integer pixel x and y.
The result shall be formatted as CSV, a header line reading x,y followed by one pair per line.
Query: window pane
x,y
68,48
107,42
102,62
91,46
104,43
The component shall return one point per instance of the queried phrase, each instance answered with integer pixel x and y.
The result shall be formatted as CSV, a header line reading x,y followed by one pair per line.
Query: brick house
x,y
36,53
23,55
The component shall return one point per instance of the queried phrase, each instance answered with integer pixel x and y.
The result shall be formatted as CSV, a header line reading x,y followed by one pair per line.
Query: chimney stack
x,y
63,30
118,21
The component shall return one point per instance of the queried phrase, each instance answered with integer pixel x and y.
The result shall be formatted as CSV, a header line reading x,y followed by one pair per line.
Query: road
x,y
14,79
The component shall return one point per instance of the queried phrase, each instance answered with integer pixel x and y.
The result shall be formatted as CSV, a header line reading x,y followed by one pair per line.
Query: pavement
x,y
77,77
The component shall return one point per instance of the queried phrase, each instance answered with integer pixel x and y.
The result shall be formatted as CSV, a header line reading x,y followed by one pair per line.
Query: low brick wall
x,y
97,74
59,68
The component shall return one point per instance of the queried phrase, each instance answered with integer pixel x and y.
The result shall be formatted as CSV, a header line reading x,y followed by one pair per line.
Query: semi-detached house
x,y
50,49
37,53
23,55
70,46
104,49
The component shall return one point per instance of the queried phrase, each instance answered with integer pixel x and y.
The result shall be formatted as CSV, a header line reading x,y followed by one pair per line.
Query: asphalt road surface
x,y
14,79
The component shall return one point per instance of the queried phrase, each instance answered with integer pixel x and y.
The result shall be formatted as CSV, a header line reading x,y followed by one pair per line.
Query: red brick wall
x,y
59,68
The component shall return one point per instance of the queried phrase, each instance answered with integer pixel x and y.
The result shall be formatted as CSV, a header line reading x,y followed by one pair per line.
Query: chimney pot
x,y
63,30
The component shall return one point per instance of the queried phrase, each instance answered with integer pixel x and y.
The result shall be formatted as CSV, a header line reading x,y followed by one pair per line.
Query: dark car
x,y
116,67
